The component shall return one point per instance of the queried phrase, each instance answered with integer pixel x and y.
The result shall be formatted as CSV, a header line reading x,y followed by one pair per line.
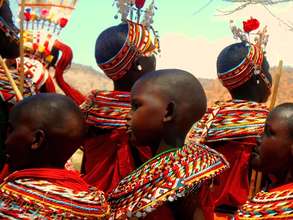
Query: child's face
x,y
146,118
18,142
273,153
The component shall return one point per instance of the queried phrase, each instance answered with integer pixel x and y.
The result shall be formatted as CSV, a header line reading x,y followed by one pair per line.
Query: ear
x,y
38,139
170,112
138,64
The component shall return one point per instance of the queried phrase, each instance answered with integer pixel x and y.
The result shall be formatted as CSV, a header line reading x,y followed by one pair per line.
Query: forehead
x,y
147,88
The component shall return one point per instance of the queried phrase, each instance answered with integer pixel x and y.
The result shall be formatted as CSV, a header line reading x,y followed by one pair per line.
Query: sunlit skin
x,y
148,104
274,152
158,116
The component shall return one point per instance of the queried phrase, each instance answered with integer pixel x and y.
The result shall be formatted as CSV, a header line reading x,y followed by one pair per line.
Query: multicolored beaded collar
x,y
107,109
7,93
37,198
276,204
166,177
231,120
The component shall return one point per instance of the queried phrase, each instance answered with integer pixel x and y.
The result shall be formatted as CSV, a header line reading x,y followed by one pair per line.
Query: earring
x,y
257,82
139,67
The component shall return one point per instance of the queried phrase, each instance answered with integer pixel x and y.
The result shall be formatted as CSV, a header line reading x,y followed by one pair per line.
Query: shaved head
x,y
57,114
44,131
285,111
182,88
184,93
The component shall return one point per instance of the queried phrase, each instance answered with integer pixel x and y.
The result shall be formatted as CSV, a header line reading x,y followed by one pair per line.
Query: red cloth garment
x,y
60,177
4,172
50,194
277,203
232,187
230,128
107,159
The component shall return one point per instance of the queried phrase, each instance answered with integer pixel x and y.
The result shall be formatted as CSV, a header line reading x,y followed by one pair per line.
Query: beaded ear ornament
x,y
257,46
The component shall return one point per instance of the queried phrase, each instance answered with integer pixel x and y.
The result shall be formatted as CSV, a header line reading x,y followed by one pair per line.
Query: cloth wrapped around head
x,y
118,47
237,63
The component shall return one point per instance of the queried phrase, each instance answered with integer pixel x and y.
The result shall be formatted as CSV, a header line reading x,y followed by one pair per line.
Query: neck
x,y
122,86
167,144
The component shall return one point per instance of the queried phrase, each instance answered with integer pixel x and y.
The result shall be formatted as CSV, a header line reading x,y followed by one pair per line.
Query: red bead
x,y
63,22
139,3
250,25
27,16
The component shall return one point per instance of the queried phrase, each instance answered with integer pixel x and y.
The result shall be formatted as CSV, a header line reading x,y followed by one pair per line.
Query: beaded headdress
x,y
44,21
252,63
139,39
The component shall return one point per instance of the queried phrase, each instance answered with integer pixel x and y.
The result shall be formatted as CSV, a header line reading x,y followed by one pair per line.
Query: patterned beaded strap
x,y
230,120
107,109
269,205
40,199
7,94
168,176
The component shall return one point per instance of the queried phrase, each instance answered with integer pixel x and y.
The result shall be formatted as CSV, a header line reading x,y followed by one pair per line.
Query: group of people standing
x,y
152,147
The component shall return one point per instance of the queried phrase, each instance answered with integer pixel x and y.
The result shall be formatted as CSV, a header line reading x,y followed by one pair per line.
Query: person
x,y
9,49
124,52
231,127
44,131
165,104
41,52
273,156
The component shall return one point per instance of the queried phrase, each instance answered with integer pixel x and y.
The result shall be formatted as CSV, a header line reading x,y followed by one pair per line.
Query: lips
x,y
128,129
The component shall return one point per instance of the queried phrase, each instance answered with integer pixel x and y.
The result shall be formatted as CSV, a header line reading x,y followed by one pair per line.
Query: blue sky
x,y
93,16
181,31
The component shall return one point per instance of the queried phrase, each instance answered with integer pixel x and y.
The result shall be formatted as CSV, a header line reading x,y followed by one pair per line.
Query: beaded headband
x,y
252,63
139,40
44,21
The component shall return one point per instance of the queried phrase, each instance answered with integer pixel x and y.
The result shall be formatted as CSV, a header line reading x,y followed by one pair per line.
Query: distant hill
x,y
86,78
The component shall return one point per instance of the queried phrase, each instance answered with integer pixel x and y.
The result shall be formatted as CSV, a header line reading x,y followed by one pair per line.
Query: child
x,y
274,157
165,104
231,126
44,131
124,53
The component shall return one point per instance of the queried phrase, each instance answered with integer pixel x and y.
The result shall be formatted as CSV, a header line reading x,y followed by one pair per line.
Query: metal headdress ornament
x,y
252,63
